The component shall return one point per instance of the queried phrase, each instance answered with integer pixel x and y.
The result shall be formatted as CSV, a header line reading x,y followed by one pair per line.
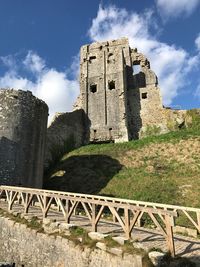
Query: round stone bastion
x,y
23,126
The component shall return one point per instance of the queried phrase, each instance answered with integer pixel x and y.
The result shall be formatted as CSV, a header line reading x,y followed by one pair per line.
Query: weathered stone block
x,y
101,246
116,251
139,245
46,221
67,226
156,257
96,235
120,240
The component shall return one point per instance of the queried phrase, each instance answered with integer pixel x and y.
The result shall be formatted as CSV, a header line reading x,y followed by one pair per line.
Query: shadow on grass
x,y
83,174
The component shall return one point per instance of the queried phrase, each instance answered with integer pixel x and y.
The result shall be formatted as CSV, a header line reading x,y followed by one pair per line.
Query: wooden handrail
x,y
99,197
126,212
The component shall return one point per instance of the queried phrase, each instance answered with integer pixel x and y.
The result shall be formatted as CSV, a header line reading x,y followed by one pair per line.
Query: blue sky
x,y
40,42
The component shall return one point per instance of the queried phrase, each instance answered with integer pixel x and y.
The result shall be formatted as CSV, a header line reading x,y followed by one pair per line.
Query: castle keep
x,y
119,103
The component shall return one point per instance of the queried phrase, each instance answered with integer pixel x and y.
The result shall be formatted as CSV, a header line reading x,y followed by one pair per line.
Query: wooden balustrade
x,y
126,212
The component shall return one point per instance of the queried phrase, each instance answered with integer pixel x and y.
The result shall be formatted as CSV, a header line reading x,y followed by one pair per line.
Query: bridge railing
x,y
126,212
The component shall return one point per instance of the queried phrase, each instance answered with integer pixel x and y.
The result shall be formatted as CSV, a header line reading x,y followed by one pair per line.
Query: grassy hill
x,y
163,168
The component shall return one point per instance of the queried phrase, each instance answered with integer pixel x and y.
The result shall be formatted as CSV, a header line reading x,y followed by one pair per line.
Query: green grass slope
x,y
163,169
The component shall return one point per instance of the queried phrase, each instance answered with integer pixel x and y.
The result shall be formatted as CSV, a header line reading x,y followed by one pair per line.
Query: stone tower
x,y
23,124
119,104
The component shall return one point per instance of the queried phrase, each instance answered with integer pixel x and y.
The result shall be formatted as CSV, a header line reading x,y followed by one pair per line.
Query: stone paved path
x,y
185,246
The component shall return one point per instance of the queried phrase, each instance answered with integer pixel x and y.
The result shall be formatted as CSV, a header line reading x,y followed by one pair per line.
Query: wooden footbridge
x,y
128,214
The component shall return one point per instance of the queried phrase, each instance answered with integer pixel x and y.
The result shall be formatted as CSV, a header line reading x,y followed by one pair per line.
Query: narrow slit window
x,y
144,95
110,133
111,85
95,131
93,88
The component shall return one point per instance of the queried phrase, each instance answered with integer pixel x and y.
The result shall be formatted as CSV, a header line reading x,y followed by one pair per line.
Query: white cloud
x,y
50,85
57,91
8,61
112,23
75,67
12,80
197,42
175,8
33,62
170,63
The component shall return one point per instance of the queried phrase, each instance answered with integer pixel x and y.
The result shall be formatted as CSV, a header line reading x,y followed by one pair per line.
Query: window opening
x,y
144,95
92,58
93,88
111,58
136,69
111,85
110,133
95,131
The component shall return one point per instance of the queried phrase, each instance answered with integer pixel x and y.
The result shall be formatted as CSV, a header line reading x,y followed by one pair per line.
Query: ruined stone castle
x,y
116,103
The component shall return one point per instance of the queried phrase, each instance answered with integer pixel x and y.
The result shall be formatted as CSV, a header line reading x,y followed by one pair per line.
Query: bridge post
x,y
44,210
169,221
67,208
127,223
198,221
94,224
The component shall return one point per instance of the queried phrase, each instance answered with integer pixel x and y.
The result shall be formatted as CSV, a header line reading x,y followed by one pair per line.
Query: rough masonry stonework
x,y
27,247
119,102
67,130
23,123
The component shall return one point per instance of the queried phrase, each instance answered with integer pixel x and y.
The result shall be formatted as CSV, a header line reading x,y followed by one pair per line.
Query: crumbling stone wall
x,y
27,247
144,98
67,130
119,103
23,123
